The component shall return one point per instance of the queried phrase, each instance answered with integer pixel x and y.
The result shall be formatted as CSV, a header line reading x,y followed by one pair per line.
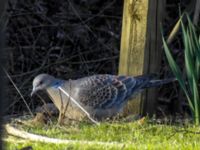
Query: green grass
x,y
133,135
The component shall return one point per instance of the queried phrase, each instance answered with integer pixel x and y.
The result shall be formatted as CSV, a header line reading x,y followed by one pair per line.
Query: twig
x,y
86,26
75,102
18,92
63,108
55,63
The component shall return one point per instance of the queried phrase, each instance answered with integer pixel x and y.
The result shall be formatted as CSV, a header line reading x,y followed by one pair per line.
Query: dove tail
x,y
155,83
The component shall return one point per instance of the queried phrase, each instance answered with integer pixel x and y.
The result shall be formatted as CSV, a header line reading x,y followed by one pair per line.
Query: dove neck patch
x,y
57,83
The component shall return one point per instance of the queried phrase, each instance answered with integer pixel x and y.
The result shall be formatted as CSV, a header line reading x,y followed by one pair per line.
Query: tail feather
x,y
155,83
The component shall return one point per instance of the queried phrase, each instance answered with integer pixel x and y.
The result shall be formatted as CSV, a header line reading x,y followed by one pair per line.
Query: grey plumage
x,y
101,95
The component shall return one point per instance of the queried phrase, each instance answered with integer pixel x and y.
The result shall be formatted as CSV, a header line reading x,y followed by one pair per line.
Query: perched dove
x,y
102,96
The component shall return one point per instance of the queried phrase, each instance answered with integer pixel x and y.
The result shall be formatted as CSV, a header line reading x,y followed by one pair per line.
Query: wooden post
x,y
133,43
153,51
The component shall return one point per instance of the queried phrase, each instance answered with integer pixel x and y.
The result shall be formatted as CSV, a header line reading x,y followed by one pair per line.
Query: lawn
x,y
141,134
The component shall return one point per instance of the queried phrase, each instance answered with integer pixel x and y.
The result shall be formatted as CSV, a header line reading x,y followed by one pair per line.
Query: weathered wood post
x,y
141,47
133,43
153,52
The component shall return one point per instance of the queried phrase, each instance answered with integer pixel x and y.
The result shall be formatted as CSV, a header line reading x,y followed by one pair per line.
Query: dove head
x,y
42,82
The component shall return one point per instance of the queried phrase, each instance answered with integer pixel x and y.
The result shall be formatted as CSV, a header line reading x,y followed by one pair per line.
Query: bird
x,y
101,96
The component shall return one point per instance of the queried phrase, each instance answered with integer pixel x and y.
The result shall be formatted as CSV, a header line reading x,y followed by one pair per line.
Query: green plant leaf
x,y
177,72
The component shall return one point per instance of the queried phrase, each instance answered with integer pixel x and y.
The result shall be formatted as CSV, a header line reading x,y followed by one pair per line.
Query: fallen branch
x,y
38,138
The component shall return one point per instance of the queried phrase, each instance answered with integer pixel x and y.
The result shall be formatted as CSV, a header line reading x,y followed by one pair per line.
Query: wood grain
x,y
133,43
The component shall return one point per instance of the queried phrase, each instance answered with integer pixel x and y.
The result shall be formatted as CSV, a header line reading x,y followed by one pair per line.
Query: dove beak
x,y
33,91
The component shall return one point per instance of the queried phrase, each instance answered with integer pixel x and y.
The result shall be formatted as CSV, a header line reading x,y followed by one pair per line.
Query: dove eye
x,y
41,82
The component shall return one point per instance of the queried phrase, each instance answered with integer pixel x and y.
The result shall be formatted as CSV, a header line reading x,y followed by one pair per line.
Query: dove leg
x,y
61,118
62,112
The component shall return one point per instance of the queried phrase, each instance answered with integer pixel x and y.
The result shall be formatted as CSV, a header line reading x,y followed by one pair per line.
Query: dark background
x,y
65,38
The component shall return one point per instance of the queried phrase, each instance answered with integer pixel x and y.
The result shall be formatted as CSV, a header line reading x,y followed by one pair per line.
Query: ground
x,y
142,134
